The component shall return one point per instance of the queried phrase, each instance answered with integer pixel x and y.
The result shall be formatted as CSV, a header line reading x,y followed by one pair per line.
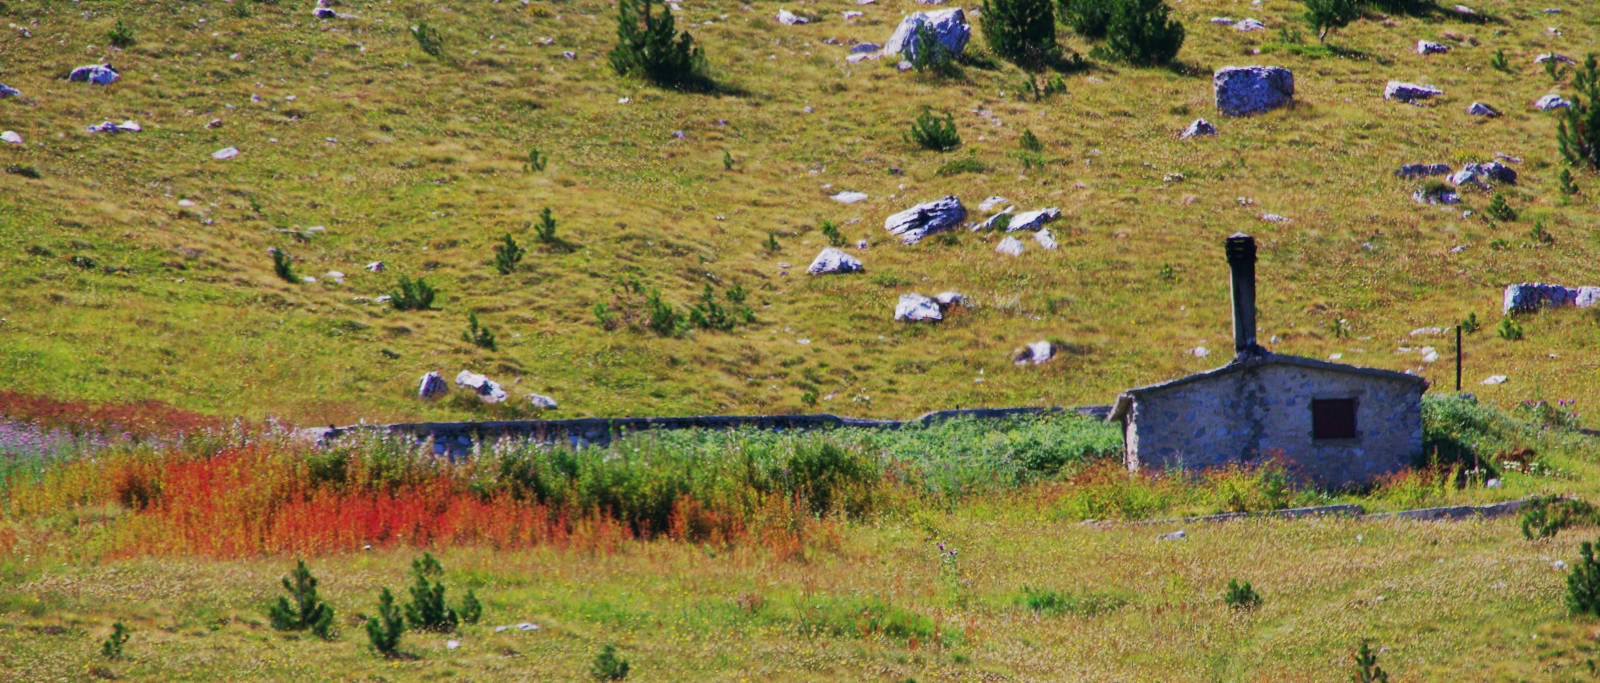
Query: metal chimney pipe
x,y
1241,251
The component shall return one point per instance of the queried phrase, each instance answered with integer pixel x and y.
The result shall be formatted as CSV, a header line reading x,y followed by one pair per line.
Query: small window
x,y
1333,418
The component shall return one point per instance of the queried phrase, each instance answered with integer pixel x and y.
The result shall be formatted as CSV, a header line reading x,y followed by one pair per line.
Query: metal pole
x,y
1458,359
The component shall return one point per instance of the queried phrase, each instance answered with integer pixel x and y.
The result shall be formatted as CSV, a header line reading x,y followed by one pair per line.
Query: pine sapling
x,y
308,610
385,630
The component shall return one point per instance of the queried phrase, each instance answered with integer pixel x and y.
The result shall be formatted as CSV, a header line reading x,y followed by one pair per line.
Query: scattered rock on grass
x,y
1422,170
1009,245
848,197
1249,25
541,401
11,136
1034,354
925,219
124,127
1199,128
375,267
1481,109
1426,47
1045,239
1550,102
1552,56
1533,296
833,260
1437,195
432,386
1033,220
1246,90
1173,536
788,18
1409,92
6,91
1495,379
487,389
225,153
99,74
992,202
949,300
916,307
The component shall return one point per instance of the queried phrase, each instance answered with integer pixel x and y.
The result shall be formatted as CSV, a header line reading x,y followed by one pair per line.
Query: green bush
x,y
1498,62
1021,31
1141,33
663,318
411,295
1565,183
507,254
1510,329
831,232
1578,131
428,39
1088,18
1050,603
385,629
478,335
1367,669
111,647
650,47
607,666
283,265
1499,209
427,610
537,160
1241,596
1327,15
1030,142
23,170
545,229
1543,516
308,610
967,164
1583,583
471,609
120,36
930,132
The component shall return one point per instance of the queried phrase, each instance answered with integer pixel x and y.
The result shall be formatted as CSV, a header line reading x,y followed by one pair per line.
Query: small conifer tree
x,y
308,610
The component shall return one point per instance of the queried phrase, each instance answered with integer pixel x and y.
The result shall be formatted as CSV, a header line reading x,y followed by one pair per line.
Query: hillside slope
x,y
420,162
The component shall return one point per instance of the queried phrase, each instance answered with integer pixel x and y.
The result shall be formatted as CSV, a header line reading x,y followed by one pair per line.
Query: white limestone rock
x,y
99,74
1033,220
1009,245
432,387
488,390
1247,90
1199,128
832,260
925,219
949,27
1409,92
916,307
1034,353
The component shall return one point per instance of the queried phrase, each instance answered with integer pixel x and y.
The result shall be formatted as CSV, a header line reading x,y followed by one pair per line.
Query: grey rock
x,y
225,153
432,387
214,123
1273,218
916,307
1587,297
949,26
1441,196
1009,245
1484,175
1553,56
865,48
1551,102
788,18
992,202
848,197
324,13
1534,296
1033,220
1198,128
1035,353
541,401
1481,109
1173,536
833,260
375,267
1425,47
11,136
1247,90
109,127
99,74
488,390
949,300
925,219
6,91
1249,25
992,222
1225,21
1422,170
1494,379
1409,92
1045,239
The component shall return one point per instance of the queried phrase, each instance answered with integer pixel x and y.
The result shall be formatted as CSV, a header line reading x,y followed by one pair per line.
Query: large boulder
x,y
949,26
1533,296
432,387
925,219
487,389
1409,92
1033,220
1246,90
833,260
99,74
916,307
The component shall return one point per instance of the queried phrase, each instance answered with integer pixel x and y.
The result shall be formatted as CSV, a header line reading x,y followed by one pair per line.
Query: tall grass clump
x,y
650,47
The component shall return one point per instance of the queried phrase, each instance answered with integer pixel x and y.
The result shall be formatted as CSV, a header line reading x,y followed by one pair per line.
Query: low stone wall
x,y
458,438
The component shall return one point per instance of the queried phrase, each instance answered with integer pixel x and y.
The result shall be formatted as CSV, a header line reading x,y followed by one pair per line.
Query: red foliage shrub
x,y
141,418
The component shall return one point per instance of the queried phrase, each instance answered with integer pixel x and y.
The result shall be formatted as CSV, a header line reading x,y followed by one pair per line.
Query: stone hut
x,y
1333,425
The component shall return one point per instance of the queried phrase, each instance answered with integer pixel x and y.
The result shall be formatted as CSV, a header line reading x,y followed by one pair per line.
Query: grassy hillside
x,y
420,162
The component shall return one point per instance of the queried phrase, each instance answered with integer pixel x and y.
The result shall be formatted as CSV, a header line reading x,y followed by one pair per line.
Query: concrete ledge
x,y
1456,512
1345,510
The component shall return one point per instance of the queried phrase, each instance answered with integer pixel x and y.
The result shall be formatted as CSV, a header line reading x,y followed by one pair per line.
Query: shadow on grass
x,y
1428,9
